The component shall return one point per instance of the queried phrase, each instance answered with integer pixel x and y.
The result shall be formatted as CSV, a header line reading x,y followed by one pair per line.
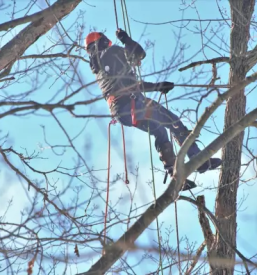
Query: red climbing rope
x,y
124,155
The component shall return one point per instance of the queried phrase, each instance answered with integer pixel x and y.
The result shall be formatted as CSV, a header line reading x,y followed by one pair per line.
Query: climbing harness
x,y
133,110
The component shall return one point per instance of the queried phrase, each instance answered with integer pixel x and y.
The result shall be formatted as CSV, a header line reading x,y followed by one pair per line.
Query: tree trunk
x,y
226,200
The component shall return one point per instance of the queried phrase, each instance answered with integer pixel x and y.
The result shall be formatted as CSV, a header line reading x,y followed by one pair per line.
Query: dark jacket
x,y
115,75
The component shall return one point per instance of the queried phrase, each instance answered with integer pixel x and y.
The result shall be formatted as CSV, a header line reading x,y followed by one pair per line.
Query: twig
x,y
209,61
202,86
6,79
53,56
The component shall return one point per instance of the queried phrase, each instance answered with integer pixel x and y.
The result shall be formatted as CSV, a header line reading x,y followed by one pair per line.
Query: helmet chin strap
x,y
96,48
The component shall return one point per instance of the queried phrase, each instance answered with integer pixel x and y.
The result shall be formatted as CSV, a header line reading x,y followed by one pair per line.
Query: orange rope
x,y
124,155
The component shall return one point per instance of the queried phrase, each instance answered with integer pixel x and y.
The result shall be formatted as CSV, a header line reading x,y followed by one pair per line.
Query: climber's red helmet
x,y
102,41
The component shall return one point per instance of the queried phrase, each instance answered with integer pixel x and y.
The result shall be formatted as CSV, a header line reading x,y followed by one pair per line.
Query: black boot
x,y
193,150
210,164
168,158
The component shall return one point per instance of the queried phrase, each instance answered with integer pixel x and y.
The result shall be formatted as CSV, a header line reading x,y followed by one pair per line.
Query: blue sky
x,y
26,132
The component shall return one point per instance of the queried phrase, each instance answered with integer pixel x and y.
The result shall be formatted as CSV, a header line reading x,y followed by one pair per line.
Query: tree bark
x,y
226,200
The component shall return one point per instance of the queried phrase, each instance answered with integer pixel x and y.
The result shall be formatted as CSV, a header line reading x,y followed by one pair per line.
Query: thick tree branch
x,y
46,20
204,222
207,232
254,124
19,21
209,61
6,71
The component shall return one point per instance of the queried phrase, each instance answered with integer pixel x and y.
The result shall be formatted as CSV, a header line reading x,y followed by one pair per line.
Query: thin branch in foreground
x,y
208,61
56,55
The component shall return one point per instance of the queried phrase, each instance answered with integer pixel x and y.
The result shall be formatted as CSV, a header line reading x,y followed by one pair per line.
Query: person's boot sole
x,y
210,169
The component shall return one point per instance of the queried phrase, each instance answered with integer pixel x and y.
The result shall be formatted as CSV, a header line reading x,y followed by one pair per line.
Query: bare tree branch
x,y
55,55
46,20
207,232
254,124
19,21
209,61
204,222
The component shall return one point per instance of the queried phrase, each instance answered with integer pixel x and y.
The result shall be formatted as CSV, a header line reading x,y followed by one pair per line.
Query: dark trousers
x,y
149,112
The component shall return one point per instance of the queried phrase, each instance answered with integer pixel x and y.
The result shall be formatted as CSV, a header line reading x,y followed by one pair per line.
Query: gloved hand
x,y
165,86
133,51
123,36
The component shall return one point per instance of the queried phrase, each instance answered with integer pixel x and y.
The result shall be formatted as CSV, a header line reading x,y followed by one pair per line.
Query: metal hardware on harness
x,y
133,96
133,112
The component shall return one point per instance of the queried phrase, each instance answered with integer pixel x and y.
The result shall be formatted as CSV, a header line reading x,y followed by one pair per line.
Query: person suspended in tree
x,y
113,66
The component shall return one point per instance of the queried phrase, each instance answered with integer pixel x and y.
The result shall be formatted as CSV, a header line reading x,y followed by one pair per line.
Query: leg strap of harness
x,y
133,110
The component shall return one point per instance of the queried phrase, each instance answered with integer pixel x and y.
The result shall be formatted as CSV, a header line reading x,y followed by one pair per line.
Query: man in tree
x,y
113,66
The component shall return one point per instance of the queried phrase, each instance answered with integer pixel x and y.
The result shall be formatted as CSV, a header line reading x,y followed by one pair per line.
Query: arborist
x,y
113,66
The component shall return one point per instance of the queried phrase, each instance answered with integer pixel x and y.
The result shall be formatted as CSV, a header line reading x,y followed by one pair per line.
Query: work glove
x,y
123,36
133,51
165,86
